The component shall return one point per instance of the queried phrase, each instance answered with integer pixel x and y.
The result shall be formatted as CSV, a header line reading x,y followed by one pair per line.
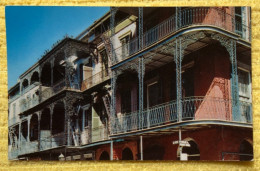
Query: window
x,y
239,16
125,45
244,83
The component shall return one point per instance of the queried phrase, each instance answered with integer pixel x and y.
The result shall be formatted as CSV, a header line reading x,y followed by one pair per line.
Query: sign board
x,y
68,158
182,143
88,156
77,157
184,157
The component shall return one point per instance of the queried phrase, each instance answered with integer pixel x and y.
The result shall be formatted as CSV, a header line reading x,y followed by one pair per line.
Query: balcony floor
x,y
189,125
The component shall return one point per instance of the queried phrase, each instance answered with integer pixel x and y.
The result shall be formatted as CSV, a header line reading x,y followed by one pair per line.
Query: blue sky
x,y
31,30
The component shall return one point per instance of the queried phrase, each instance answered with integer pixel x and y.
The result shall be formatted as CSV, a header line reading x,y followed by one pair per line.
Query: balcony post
x,y
28,128
178,59
39,131
113,11
236,115
230,45
111,150
113,101
140,22
51,114
141,72
52,65
141,148
20,134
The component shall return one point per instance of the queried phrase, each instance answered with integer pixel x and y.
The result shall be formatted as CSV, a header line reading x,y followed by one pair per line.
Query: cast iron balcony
x,y
187,17
96,79
91,135
193,108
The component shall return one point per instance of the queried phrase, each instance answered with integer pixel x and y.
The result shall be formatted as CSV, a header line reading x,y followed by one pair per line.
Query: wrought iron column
x,y
141,148
230,45
141,72
236,115
20,134
51,114
140,22
178,60
39,129
28,128
113,11
52,66
113,101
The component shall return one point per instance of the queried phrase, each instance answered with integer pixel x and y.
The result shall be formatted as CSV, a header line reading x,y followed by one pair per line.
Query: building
x,y
170,83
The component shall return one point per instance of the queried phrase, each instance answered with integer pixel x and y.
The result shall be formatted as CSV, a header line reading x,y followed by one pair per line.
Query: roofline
x,y
97,22
13,87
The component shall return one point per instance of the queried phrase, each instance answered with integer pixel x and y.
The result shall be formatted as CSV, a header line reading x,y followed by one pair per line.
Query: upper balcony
x,y
195,110
187,17
95,79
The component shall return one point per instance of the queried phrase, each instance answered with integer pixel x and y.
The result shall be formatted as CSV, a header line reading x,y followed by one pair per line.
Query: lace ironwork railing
x,y
28,147
52,141
193,108
187,17
95,79
93,135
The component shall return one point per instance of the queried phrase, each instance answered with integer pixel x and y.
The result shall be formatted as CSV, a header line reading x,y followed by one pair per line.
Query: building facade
x,y
170,83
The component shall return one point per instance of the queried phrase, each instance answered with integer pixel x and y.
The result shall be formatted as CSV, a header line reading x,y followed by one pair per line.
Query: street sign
x,y
184,157
182,143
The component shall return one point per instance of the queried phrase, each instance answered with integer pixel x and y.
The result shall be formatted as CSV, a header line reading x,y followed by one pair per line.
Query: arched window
x,y
104,156
45,119
246,151
25,84
59,68
34,127
35,77
58,118
46,74
127,154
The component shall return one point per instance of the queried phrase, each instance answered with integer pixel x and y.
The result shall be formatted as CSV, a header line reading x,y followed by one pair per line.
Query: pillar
x,y
140,22
51,115
236,115
141,72
113,102
113,11
28,128
111,150
141,148
52,65
20,134
39,129
178,59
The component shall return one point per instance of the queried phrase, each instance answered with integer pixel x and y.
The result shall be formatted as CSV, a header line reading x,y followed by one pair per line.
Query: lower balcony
x,y
53,141
28,147
192,108
96,134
